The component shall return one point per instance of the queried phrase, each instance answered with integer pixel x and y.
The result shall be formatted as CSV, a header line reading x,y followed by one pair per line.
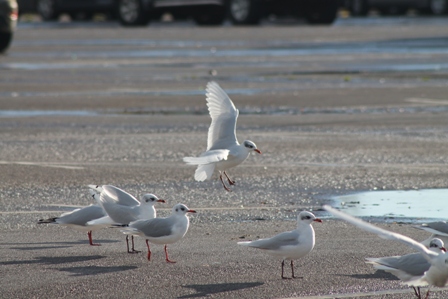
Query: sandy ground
x,y
325,126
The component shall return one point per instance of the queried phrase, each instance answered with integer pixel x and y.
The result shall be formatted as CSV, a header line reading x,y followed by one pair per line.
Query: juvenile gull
x,y
290,245
162,230
223,149
436,275
122,208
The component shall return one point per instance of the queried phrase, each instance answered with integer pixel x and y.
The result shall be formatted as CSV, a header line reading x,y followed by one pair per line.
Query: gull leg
x,y
166,257
283,266
224,185
292,269
231,182
132,249
127,245
89,233
427,294
149,250
417,292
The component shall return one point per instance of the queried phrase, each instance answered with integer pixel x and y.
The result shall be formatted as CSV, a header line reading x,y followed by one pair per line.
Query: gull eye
x,y
183,209
146,200
177,210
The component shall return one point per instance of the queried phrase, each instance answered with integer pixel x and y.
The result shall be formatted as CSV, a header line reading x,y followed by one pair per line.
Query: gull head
x,y
181,209
251,146
307,217
437,245
150,199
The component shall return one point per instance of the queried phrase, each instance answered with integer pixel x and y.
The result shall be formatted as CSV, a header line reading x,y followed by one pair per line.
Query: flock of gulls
x,y
115,207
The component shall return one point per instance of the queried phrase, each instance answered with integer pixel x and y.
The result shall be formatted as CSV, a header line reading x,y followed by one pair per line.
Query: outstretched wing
x,y
221,133
436,228
115,195
382,232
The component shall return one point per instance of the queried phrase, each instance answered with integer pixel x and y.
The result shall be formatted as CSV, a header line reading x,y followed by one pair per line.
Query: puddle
x,y
397,205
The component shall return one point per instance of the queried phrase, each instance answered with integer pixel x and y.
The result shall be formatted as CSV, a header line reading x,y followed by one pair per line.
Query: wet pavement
x,y
337,111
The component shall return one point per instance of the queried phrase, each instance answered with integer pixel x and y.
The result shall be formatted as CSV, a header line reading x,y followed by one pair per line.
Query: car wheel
x,y
320,13
213,17
47,10
132,13
245,12
5,40
438,7
359,7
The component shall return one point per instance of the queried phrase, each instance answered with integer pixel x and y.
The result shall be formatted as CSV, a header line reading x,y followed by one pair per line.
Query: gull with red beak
x,y
122,208
223,149
290,245
162,230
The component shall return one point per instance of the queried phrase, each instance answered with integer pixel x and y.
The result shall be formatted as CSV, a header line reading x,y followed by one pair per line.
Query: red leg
x,y
427,294
166,257
89,233
231,182
149,250
224,185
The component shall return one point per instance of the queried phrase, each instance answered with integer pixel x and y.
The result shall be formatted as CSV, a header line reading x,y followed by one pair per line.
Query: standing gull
x,y
122,208
436,275
77,219
162,230
438,229
223,150
407,267
290,245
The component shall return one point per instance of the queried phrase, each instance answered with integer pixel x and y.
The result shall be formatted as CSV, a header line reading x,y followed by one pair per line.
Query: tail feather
x,y
204,172
49,220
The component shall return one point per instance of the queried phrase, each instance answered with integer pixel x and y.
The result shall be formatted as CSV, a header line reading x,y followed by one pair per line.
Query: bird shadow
x,y
379,274
209,289
44,260
63,244
95,270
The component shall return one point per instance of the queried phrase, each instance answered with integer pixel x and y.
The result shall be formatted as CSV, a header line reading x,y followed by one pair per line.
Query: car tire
x,y
359,8
211,17
245,12
5,40
438,7
47,9
132,13
321,13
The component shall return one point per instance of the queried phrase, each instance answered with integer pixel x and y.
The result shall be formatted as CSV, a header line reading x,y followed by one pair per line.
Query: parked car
x,y
77,9
387,7
204,12
9,14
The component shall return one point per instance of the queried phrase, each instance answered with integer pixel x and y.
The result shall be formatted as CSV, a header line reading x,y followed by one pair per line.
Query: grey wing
x,y
429,255
222,131
155,228
437,228
114,194
82,216
276,242
119,213
414,263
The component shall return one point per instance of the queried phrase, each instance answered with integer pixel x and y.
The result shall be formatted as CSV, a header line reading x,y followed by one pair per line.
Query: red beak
x,y
318,220
257,150
191,211
443,249
161,200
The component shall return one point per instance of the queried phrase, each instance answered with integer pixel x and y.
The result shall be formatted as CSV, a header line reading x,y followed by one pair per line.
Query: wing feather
x,y
222,131
382,232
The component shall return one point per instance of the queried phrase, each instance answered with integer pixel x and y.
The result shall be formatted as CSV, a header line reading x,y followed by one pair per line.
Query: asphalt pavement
x,y
357,106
